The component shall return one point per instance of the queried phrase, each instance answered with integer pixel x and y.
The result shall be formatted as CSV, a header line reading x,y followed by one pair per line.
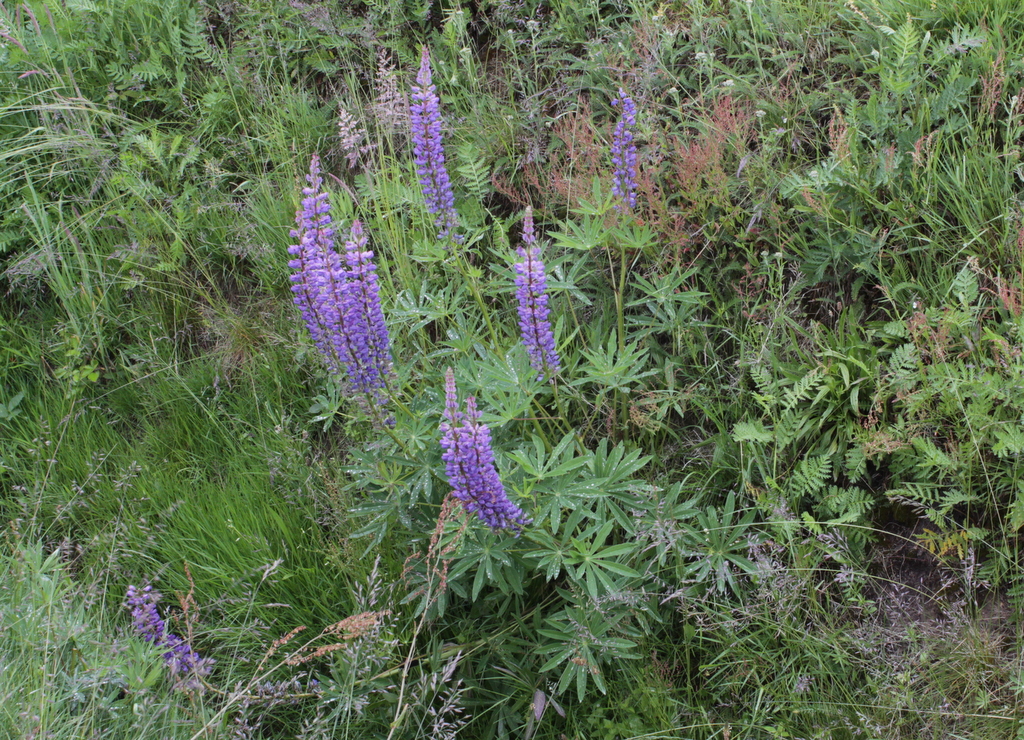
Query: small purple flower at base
x,y
469,463
624,153
145,616
428,151
185,664
531,295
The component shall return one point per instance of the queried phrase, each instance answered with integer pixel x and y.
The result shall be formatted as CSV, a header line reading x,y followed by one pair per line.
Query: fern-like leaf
x,y
472,166
791,427
964,287
810,476
802,389
933,456
1009,439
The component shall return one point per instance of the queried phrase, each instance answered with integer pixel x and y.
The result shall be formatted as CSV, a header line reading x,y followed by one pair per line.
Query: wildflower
x,y
624,153
145,616
316,241
339,298
452,416
364,316
428,151
469,462
178,655
531,293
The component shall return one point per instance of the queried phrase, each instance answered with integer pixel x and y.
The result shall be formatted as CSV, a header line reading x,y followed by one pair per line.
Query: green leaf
x,y
751,431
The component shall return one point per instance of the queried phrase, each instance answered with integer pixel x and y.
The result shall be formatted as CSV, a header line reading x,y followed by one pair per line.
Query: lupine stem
x,y
624,187
474,289
621,319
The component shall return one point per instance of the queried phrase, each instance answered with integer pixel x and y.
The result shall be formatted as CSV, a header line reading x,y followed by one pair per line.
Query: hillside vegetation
x,y
520,369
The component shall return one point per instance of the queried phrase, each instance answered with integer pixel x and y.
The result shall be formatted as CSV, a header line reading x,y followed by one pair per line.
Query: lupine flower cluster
x,y
364,317
531,294
624,153
428,151
339,298
469,462
316,240
178,655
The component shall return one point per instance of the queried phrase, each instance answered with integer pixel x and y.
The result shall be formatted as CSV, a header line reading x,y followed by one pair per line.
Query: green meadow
x,y
772,489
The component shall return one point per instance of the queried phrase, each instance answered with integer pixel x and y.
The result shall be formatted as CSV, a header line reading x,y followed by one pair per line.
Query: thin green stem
x,y
464,268
619,289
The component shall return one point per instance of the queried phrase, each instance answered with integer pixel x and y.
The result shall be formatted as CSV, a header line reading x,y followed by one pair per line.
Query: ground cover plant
x,y
511,370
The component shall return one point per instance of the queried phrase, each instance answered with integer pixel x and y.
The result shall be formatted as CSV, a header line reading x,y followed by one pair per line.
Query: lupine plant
x,y
316,242
673,504
364,317
531,294
624,152
186,666
428,151
469,461
561,472
339,299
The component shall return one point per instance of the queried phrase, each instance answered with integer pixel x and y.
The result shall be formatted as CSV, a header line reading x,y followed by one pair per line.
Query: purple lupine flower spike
x,y
320,280
428,151
178,655
315,242
469,463
531,294
345,337
364,316
624,153
452,416
339,297
145,616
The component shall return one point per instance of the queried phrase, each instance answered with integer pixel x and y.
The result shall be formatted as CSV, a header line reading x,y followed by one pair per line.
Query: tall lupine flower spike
x,y
339,297
428,151
178,655
364,317
531,293
624,153
320,280
311,257
469,462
